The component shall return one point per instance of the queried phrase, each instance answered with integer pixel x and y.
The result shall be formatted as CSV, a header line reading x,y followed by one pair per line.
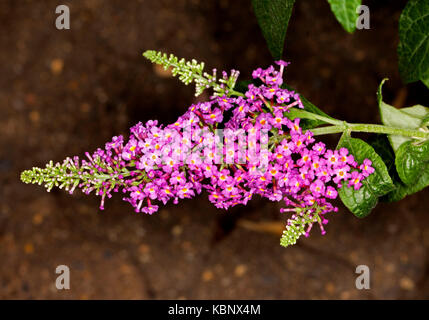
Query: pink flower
x,y
317,188
214,116
355,180
177,178
342,173
278,120
366,168
331,193
185,191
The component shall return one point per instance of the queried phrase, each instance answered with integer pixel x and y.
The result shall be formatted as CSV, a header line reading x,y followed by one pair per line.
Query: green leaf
x,y
273,18
403,190
425,82
242,86
307,124
406,118
425,121
362,201
383,148
413,48
346,13
381,145
411,160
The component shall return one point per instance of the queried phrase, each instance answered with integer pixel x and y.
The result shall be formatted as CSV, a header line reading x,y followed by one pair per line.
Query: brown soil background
x,y
65,92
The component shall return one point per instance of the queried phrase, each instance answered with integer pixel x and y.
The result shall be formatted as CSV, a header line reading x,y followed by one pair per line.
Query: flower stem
x,y
232,92
327,130
371,128
339,126
299,113
377,128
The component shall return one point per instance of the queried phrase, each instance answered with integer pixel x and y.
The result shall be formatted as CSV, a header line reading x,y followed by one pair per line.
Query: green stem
x,y
327,130
232,92
377,128
370,128
341,126
299,113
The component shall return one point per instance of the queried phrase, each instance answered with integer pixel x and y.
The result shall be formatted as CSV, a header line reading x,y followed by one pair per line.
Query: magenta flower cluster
x,y
260,152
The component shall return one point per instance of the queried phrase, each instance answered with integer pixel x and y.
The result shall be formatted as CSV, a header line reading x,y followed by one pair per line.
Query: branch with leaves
x,y
273,17
298,170
157,164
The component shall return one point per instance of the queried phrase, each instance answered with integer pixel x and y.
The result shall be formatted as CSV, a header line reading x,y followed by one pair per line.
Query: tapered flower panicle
x,y
228,146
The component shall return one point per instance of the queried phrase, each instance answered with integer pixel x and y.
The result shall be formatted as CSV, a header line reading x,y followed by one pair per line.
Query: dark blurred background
x,y
66,92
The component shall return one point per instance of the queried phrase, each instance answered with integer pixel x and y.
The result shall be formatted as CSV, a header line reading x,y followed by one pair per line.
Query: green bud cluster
x,y
192,71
